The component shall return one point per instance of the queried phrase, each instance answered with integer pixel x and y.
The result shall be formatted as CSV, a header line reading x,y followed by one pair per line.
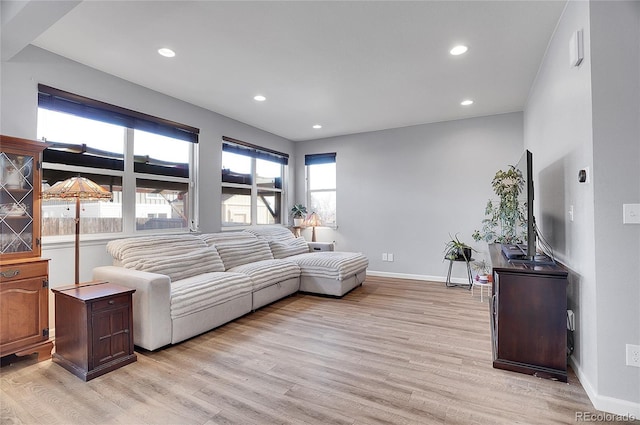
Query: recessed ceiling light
x,y
458,50
466,102
166,52
259,98
317,126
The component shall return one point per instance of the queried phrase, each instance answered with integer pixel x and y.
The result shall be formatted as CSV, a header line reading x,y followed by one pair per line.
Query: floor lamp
x,y
313,220
78,188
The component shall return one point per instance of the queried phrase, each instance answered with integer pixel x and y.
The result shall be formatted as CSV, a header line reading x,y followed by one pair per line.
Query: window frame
x,y
254,153
128,174
320,159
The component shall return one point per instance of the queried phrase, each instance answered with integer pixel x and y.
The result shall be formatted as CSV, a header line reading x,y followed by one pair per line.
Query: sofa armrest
x,y
151,303
320,246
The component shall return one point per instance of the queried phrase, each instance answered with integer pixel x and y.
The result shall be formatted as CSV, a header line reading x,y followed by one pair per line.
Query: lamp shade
x,y
76,187
313,220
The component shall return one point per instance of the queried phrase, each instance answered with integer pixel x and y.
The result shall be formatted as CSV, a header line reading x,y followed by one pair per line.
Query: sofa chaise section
x,y
331,273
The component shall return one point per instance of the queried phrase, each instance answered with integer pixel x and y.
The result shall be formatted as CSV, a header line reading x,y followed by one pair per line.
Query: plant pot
x,y
297,222
466,255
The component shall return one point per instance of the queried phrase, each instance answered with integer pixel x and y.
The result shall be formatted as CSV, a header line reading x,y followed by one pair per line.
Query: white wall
x,y
587,116
19,101
403,191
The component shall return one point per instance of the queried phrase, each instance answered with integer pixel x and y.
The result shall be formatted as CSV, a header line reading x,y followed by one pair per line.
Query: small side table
x,y
482,285
467,261
94,328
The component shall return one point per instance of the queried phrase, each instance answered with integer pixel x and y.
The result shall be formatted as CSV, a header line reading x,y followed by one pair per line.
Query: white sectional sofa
x,y
189,284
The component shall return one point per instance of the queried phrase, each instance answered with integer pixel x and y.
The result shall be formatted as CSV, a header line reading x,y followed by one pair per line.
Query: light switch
x,y
631,213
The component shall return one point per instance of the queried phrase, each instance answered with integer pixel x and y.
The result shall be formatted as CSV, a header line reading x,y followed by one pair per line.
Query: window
x,y
145,162
321,186
252,179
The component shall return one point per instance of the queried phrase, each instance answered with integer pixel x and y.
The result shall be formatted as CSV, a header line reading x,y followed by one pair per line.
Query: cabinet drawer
x,y
113,302
17,271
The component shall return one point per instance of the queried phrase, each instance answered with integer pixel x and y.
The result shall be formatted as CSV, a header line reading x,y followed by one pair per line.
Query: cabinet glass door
x,y
16,203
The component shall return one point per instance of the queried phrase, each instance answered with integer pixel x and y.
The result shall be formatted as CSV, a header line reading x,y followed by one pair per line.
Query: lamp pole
x,y
77,240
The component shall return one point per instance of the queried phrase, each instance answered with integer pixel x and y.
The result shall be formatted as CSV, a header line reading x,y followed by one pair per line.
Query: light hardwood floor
x,y
390,352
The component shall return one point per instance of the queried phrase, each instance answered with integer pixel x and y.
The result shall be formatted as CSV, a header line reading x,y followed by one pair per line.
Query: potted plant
x,y
298,212
455,249
483,270
505,221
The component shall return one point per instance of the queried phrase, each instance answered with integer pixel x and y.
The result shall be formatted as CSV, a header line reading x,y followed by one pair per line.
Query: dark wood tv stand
x,y
528,317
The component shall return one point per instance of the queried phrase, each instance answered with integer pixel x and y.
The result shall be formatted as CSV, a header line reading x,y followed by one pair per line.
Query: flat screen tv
x,y
526,252
525,166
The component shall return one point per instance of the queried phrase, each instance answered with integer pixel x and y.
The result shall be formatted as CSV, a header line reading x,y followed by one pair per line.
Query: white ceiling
x,y
351,66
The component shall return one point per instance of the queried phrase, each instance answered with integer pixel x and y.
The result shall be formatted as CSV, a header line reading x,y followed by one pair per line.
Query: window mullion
x,y
254,192
193,188
129,186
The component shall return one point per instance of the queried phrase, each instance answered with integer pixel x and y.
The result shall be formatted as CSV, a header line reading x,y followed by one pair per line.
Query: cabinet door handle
x,y
10,273
111,302
126,331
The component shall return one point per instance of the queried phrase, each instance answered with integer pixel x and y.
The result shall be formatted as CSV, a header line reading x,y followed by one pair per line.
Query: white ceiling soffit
x,y
349,66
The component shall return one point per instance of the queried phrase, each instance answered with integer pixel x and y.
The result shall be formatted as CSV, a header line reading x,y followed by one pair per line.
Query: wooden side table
x,y
94,328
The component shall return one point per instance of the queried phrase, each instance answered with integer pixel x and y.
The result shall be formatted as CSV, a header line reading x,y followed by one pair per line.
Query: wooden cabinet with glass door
x,y
24,276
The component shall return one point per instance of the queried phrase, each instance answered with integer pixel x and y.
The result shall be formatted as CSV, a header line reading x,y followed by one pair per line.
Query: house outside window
x,y
252,184
148,170
321,186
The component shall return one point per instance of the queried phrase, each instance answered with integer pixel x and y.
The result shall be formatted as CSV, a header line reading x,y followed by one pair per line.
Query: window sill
x,y
53,242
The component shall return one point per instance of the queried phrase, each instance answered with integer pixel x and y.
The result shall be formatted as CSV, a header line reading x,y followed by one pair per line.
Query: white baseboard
x,y
458,280
625,409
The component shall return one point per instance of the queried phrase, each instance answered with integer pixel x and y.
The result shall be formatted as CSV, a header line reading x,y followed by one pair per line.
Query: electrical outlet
x,y
384,256
633,355
570,212
571,320
630,213
390,257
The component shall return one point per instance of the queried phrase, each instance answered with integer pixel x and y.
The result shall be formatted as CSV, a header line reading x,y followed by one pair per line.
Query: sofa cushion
x,y
213,238
243,251
287,249
133,249
330,264
205,290
180,265
268,272
272,233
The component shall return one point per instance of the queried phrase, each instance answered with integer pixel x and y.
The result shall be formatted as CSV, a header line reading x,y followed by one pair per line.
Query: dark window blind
x,y
247,149
319,158
62,101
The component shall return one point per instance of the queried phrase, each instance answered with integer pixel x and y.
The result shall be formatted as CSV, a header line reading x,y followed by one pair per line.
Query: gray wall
x,y
588,116
19,80
615,67
403,191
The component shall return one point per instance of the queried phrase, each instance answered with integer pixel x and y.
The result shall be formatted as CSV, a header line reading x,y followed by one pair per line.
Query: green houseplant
x,y
482,269
299,212
455,249
504,221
